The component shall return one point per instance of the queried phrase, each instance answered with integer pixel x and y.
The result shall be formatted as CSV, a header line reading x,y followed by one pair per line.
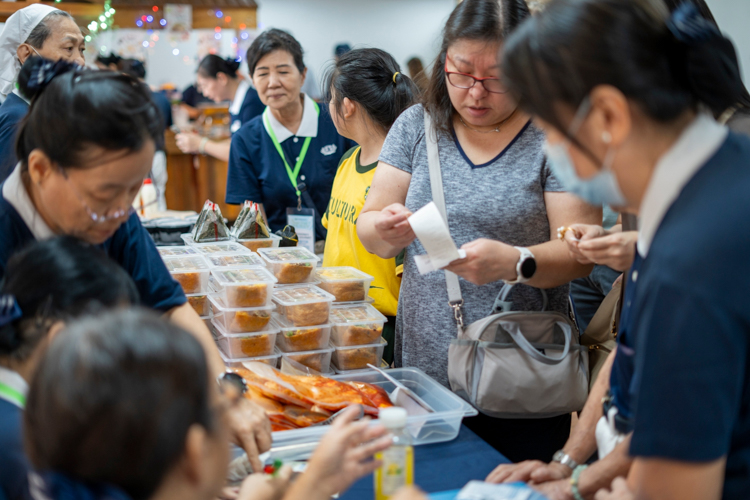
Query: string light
x,y
163,22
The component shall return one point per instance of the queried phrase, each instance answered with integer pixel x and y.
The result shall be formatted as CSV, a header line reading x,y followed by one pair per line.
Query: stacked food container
x,y
356,326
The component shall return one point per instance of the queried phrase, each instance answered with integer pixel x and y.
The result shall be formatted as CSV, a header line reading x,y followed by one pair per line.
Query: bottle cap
x,y
393,418
147,181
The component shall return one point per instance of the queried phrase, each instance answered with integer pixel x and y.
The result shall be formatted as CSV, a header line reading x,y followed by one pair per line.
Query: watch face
x,y
528,268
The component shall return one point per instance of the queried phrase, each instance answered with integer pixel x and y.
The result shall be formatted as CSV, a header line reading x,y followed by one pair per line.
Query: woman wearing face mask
x,y
503,206
288,156
218,80
47,285
123,406
637,125
34,30
81,181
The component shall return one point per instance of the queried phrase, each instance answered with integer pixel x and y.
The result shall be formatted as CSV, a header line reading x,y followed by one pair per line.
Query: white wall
x,y
734,18
404,28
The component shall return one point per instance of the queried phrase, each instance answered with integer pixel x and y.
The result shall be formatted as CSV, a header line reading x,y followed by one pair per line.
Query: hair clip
x,y
44,71
688,26
9,309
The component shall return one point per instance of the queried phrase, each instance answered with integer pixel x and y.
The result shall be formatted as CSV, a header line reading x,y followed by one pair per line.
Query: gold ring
x,y
561,232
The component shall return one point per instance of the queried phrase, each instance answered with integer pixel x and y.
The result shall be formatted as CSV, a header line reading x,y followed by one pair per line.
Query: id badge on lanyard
x,y
302,218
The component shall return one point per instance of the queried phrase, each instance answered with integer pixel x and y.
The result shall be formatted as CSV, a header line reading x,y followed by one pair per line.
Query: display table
x,y
443,466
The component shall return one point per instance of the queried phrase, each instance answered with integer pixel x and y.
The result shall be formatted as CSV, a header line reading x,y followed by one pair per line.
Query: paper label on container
x,y
433,233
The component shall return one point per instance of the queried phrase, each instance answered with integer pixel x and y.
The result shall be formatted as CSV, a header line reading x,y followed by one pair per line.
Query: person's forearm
x,y
602,472
186,318
218,149
555,266
307,487
370,239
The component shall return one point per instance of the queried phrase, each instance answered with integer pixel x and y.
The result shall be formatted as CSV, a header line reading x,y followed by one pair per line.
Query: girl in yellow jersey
x,y
366,92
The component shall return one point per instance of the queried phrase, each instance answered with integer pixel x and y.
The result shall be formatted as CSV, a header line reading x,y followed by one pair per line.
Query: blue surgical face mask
x,y
601,189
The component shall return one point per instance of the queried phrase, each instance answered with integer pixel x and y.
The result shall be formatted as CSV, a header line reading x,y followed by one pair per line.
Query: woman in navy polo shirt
x,y
218,80
626,116
34,30
86,146
288,156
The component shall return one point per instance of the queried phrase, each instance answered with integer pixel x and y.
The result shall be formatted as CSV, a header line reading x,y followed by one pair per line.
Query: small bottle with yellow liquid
x,y
398,460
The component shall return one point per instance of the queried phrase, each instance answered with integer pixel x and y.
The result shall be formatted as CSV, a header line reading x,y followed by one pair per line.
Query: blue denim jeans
x,y
588,293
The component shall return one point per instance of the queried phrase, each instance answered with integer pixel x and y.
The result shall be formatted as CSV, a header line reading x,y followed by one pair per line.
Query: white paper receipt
x,y
432,231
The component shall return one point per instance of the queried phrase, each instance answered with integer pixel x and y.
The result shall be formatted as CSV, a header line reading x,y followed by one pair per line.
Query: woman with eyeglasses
x,y
503,206
85,147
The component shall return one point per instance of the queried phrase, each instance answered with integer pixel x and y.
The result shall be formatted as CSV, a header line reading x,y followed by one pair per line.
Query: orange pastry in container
x,y
246,345
290,265
240,320
358,357
318,360
199,302
347,284
240,288
359,324
190,272
304,305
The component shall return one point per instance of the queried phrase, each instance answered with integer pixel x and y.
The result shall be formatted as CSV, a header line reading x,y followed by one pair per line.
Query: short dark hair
x,y
54,280
373,79
270,41
81,108
133,67
484,20
562,54
112,58
113,400
43,30
212,65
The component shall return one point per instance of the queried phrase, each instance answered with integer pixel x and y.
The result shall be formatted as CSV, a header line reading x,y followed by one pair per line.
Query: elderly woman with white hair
x,y
34,30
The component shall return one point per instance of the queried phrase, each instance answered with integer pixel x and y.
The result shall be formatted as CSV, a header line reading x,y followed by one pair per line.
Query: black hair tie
x,y
43,71
703,59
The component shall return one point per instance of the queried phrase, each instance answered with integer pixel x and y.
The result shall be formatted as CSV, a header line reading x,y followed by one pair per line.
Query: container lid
x,y
316,351
270,328
286,325
288,255
176,251
276,355
345,273
381,342
188,264
235,260
247,276
393,417
220,248
360,313
201,294
297,295
271,237
218,302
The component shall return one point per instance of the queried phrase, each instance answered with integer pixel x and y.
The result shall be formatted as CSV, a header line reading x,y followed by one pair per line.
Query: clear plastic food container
x,y
190,272
347,284
305,305
199,302
359,324
318,360
220,248
358,357
271,360
246,345
241,320
181,251
253,244
235,260
301,338
290,264
240,288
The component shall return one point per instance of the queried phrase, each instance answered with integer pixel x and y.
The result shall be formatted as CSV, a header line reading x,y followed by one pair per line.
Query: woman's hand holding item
x,y
555,490
393,227
592,244
262,486
251,429
486,261
188,142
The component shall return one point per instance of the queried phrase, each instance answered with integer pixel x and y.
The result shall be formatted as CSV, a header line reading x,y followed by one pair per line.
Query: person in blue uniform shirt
x,y
293,143
628,119
219,81
81,181
34,30
47,285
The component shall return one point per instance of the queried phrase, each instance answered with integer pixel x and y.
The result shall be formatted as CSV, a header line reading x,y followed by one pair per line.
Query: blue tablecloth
x,y
443,466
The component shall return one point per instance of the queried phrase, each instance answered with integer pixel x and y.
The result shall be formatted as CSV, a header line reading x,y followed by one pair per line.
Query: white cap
x,y
393,418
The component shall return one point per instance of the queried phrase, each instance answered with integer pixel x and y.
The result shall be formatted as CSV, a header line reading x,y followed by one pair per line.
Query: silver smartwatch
x,y
564,459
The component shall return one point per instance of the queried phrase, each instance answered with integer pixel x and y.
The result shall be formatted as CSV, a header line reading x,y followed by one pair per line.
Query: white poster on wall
x,y
179,17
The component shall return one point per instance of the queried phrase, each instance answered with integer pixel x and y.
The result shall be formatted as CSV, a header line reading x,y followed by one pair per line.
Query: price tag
x,y
303,220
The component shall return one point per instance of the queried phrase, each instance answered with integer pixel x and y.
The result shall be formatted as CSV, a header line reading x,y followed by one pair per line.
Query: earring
x,y
606,137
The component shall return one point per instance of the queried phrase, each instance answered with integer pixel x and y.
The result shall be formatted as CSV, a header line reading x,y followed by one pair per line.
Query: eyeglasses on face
x,y
466,81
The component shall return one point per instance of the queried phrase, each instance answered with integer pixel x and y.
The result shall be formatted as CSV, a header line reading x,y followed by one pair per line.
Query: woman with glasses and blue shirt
x,y
85,147
503,206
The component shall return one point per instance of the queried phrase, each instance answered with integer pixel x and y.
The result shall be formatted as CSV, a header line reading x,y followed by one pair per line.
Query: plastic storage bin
x,y
358,357
240,288
271,360
305,305
246,345
254,244
190,272
290,264
318,360
241,320
199,302
176,251
235,261
301,338
347,284
359,324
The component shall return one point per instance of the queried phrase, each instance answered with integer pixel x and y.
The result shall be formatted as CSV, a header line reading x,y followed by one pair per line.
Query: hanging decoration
x,y
103,22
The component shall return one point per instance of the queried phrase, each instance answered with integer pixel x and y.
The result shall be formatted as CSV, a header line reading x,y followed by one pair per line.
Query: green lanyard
x,y
12,395
292,174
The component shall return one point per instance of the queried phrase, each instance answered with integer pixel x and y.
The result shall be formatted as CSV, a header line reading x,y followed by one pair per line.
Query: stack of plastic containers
x,y
191,271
